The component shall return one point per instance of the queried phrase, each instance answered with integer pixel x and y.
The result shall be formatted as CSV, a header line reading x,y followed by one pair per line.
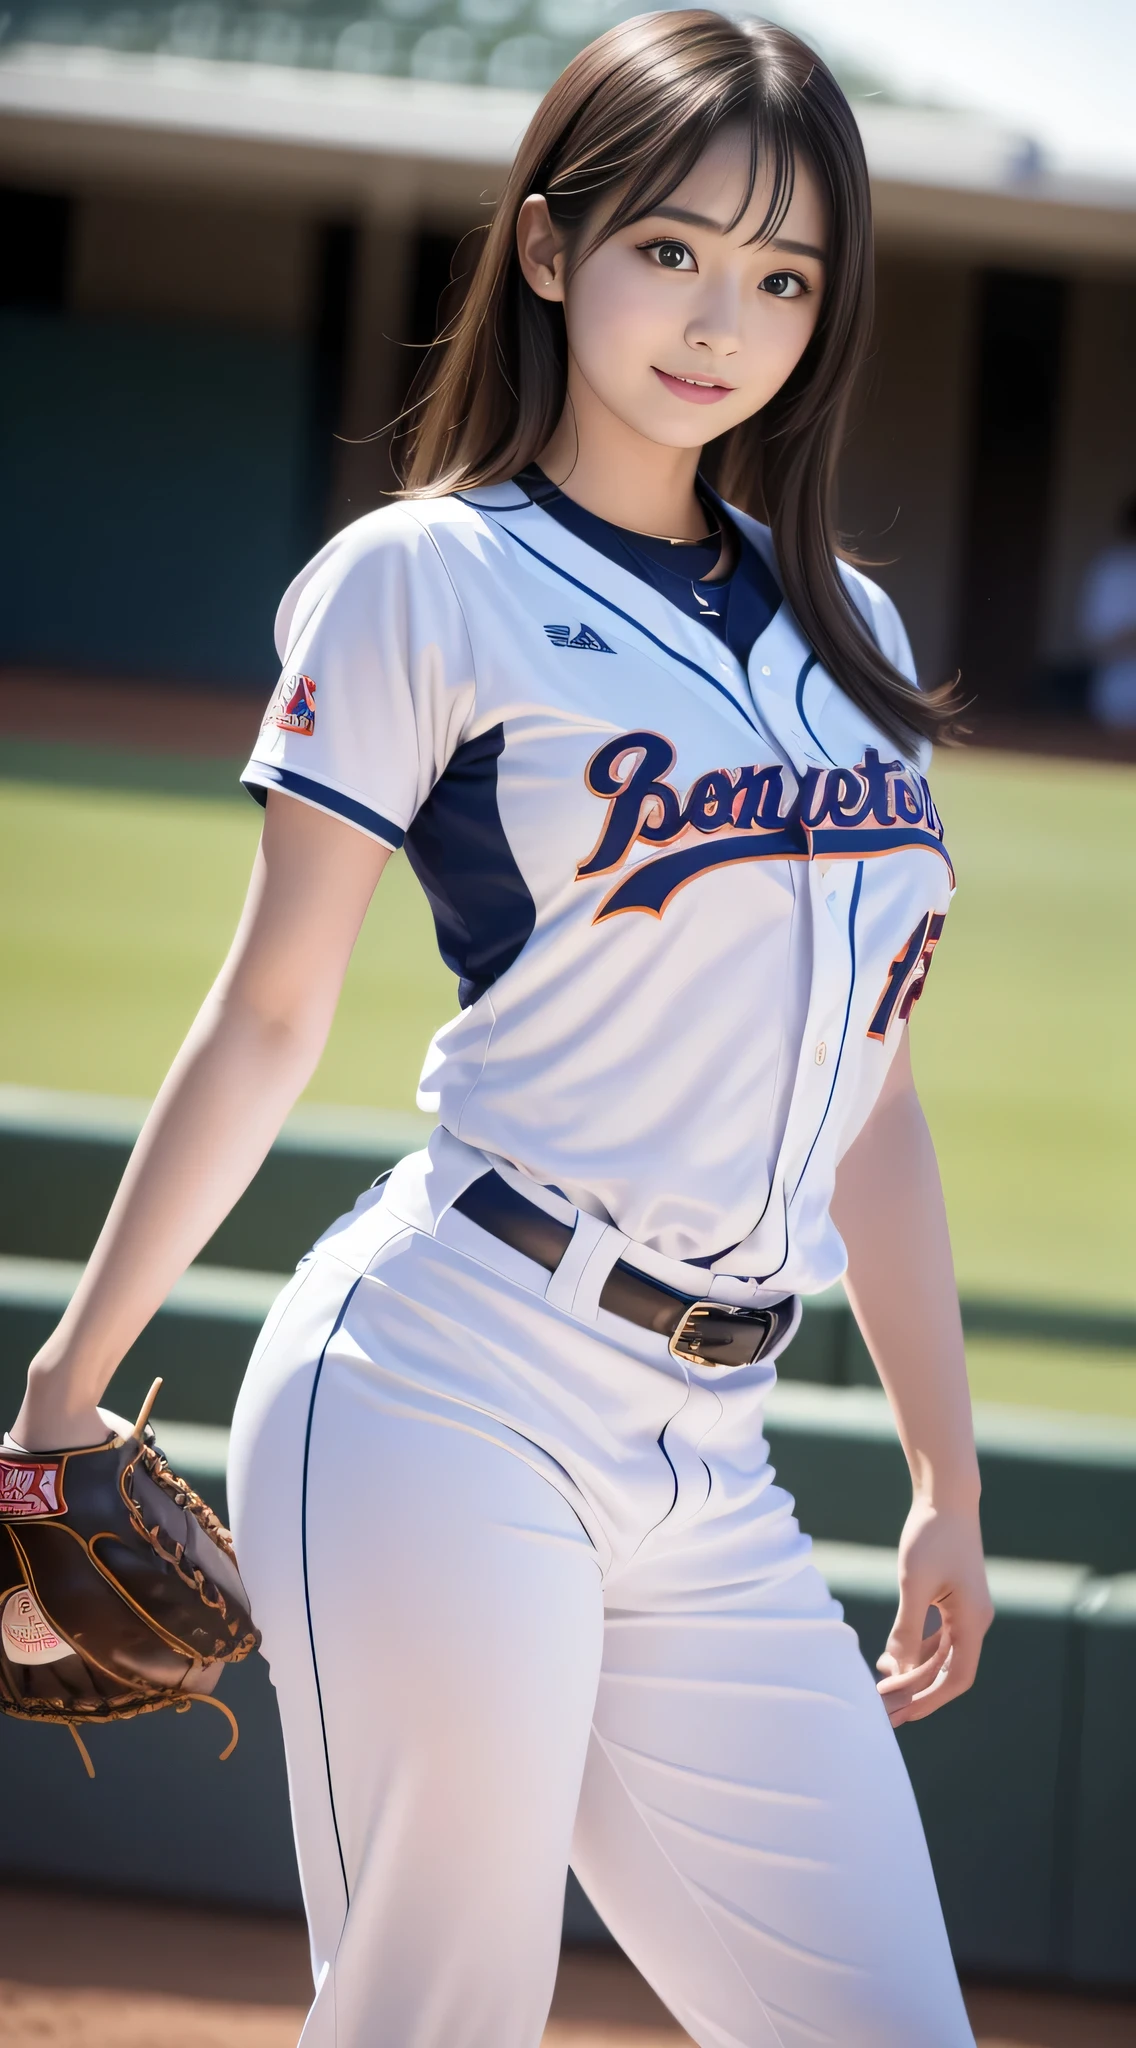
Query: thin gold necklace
x,y
681,540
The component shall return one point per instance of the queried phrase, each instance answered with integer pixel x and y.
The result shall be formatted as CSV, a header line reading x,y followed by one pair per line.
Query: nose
x,y
715,322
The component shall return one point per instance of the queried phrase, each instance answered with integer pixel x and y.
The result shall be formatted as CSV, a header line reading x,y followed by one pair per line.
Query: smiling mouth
x,y
697,390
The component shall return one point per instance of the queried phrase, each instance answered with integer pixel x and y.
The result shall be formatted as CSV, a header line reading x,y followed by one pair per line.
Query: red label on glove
x,y
30,1489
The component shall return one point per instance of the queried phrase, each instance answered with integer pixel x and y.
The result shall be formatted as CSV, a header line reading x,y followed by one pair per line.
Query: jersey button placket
x,y
820,1039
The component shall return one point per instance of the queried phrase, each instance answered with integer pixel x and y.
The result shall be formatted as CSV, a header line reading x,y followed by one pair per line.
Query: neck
x,y
620,475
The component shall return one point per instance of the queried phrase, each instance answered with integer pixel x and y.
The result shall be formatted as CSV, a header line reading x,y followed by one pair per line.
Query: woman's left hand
x,y
940,1565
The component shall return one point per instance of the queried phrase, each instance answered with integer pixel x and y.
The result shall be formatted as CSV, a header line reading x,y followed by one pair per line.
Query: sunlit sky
x,y
1063,70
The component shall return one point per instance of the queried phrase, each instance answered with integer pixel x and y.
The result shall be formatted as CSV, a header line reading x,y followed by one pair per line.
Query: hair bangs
x,y
611,141
639,178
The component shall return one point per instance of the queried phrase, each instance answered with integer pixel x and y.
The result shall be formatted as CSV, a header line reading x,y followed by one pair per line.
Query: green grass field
x,y
123,906
124,878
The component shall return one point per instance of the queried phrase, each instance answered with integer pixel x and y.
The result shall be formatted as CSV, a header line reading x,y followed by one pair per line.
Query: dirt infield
x,y
84,1972
164,718
149,718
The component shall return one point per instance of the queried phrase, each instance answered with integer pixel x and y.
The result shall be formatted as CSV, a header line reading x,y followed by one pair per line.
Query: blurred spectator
x,y
1108,625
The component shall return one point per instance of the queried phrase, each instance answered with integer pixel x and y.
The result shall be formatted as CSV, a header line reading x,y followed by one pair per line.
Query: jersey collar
x,y
629,602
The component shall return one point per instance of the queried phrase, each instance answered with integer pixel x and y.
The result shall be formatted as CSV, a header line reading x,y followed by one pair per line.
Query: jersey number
x,y
908,973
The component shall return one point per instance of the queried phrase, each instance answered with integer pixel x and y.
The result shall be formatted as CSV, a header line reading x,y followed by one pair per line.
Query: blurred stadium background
x,y
227,230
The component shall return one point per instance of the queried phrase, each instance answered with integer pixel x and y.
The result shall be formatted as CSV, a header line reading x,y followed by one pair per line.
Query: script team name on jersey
x,y
736,814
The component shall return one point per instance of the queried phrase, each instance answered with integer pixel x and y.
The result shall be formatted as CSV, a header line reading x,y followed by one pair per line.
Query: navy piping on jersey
x,y
736,608
328,799
758,579
484,913
672,653
642,553
852,909
765,1278
802,679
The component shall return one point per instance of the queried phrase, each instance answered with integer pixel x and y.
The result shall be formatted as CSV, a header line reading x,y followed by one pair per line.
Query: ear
x,y
540,249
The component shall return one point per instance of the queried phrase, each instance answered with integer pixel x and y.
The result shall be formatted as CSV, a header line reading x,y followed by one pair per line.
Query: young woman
x,y
529,1591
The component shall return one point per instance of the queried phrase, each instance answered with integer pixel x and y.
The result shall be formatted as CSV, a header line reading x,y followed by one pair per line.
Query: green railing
x,y
1027,1787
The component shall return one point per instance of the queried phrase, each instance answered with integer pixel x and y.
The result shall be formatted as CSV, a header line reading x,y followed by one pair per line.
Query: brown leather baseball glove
x,y
119,1591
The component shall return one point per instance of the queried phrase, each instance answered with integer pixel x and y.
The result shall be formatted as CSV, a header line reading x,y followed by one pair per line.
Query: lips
x,y
695,393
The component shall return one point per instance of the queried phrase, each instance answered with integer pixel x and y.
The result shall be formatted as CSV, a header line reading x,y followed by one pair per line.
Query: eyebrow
x,y
702,220
798,248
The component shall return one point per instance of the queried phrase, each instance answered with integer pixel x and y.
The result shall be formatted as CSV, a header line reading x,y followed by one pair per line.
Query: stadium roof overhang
x,y
399,147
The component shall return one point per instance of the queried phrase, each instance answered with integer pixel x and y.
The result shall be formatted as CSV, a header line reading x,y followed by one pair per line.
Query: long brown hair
x,y
624,125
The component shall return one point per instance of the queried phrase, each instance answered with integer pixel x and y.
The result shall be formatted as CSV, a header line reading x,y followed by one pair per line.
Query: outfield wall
x,y
1027,1787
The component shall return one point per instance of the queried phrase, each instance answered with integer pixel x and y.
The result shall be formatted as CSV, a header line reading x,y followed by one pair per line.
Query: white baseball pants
x,y
531,1597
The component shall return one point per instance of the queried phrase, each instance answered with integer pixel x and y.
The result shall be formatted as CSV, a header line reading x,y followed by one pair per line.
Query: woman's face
x,y
683,327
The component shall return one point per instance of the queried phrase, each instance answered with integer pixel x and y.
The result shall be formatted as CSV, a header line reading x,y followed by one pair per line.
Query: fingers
x,y
899,1687
932,1653
894,1669
947,1669
956,1674
907,1644
915,1628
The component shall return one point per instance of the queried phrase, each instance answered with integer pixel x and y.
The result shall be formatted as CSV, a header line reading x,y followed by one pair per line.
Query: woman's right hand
x,y
50,1417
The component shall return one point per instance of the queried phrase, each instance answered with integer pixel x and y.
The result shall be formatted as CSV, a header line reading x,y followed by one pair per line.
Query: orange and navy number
x,y
907,974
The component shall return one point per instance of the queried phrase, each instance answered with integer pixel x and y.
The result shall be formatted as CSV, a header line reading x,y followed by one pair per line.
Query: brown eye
x,y
670,255
783,284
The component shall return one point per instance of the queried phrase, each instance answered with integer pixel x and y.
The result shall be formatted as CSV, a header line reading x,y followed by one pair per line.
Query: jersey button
x,y
821,1053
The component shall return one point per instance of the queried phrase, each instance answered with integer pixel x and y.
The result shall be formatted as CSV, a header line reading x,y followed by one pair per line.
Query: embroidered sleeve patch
x,y
29,1489
293,706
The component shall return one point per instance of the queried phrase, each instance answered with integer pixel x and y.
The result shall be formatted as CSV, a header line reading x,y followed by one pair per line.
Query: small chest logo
x,y
27,1490
293,706
584,637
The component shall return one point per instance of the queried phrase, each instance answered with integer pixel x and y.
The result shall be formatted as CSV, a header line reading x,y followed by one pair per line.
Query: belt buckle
x,y
685,1343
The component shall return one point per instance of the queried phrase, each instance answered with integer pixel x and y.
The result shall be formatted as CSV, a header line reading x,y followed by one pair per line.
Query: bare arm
x,y
249,1053
889,1210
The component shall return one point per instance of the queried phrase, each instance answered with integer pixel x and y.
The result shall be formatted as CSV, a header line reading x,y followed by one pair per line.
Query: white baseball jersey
x,y
689,903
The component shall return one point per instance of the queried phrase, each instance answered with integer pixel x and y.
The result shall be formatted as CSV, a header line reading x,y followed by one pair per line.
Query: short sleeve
x,y
887,629
882,619
377,681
